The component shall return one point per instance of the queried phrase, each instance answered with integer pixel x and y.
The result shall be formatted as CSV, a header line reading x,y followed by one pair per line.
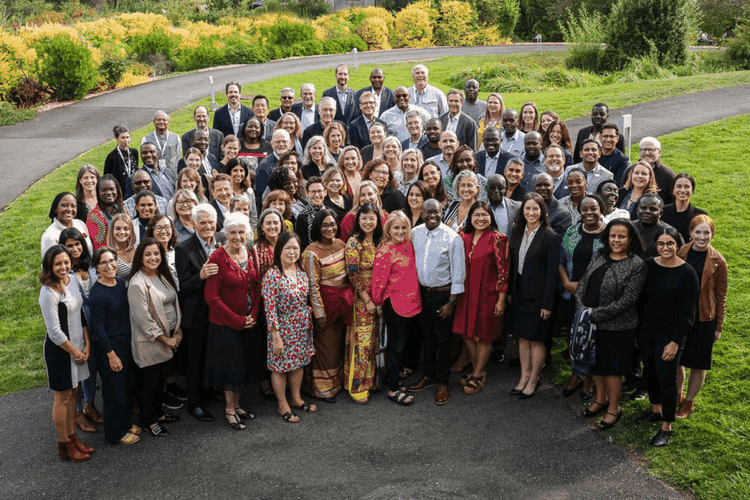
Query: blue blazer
x,y
357,133
502,160
344,115
466,129
387,100
223,123
420,144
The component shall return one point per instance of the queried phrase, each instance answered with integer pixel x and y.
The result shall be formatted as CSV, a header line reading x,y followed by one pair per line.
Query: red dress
x,y
487,265
347,224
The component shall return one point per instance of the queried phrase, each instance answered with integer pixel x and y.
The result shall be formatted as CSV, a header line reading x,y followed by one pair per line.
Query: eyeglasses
x,y
108,263
480,216
331,225
287,97
668,244
162,229
380,172
184,203
648,150
316,191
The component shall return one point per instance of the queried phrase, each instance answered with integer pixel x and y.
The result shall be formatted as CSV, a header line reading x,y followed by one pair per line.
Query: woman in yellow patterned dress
x,y
362,335
332,299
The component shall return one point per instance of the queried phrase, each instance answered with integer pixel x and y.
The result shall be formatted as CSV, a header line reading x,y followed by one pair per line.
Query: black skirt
x,y
234,359
614,352
57,361
527,319
699,346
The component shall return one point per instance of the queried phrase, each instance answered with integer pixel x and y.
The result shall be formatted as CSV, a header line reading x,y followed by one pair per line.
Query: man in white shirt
x,y
395,117
441,270
168,144
306,110
432,99
512,138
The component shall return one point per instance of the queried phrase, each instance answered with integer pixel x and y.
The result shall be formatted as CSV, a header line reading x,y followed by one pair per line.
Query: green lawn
x,y
709,453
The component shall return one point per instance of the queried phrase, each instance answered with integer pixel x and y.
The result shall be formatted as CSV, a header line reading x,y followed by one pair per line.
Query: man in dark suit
x,y
193,269
384,97
307,110
327,112
417,138
433,130
200,116
459,122
599,116
287,100
491,160
358,131
221,192
558,216
260,110
229,117
345,97
504,209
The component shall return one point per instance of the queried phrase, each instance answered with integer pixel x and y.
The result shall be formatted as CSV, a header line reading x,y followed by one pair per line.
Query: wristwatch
x,y
452,302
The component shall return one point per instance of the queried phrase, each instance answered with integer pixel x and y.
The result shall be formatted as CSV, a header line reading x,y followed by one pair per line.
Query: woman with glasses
x,y
381,175
182,206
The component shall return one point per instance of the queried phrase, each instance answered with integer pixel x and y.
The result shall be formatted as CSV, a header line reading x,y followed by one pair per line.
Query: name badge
x,y
162,165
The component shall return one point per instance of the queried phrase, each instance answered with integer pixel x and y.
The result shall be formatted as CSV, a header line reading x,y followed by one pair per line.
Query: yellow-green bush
x,y
376,12
129,79
15,59
426,6
374,31
457,24
333,25
413,28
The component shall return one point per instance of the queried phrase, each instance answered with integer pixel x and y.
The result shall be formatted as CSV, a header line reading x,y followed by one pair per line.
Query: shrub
x,y
638,27
130,79
585,34
738,51
156,42
413,28
285,33
502,14
112,68
65,68
374,31
395,5
243,53
203,56
456,25
15,60
309,8
722,16
10,114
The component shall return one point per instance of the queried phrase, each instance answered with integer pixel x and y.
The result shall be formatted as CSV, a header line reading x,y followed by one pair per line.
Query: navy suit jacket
x,y
298,107
420,144
540,276
387,100
352,105
466,129
189,258
223,122
357,133
262,173
276,114
502,160
215,138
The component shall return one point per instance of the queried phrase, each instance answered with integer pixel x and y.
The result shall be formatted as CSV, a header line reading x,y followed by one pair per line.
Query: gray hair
x,y
328,99
235,219
413,112
307,85
418,152
652,140
204,208
461,176
287,89
184,192
422,67
312,142
515,161
162,112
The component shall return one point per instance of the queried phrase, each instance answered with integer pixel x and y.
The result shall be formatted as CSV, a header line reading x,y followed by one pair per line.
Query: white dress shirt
x,y
440,257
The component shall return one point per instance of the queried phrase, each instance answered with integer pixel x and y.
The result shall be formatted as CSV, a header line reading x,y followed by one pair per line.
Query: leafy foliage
x,y
738,51
502,14
65,68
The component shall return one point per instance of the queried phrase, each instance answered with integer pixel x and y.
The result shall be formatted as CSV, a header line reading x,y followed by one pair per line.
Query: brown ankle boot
x,y
83,423
68,451
686,408
92,413
79,444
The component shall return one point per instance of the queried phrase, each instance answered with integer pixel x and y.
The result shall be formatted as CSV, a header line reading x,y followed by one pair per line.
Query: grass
x,y
10,114
708,453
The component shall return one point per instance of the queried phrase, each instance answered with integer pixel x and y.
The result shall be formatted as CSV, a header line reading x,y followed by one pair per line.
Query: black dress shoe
x,y
661,438
515,392
201,414
566,393
588,412
523,395
649,416
168,418
158,431
608,425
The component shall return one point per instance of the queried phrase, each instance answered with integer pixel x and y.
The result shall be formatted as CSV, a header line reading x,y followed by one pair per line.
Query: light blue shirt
x,y
395,120
514,145
440,257
431,99
501,216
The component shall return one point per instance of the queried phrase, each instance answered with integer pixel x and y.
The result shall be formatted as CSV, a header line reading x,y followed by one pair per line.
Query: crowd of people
x,y
338,247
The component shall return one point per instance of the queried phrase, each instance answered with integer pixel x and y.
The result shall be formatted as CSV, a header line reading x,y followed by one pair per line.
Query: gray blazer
x,y
619,294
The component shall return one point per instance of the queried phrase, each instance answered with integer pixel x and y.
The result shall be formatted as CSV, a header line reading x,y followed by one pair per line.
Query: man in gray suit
x,y
458,122
504,209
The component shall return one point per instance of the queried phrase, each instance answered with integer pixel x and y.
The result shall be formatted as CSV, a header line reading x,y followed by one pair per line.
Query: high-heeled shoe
x,y
608,425
588,412
68,451
525,395
566,393
686,408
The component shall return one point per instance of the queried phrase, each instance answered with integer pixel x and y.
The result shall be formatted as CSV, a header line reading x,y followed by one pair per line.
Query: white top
x,y
440,257
432,99
52,235
395,120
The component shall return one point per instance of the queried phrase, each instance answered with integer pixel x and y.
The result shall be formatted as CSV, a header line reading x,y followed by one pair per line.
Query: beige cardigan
x,y
148,321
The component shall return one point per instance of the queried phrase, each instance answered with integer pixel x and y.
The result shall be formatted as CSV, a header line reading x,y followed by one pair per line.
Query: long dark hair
x,y
47,277
440,194
162,271
635,247
520,227
357,231
118,200
84,261
469,227
56,202
317,224
283,240
150,228
423,190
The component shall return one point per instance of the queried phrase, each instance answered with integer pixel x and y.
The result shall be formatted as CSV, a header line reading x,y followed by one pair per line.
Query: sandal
x,y
244,415
474,385
306,407
237,425
588,412
267,392
134,429
129,438
463,381
401,398
288,416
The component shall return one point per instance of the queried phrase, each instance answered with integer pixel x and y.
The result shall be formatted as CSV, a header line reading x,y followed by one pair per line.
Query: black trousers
x,y
661,377
436,336
152,391
195,345
398,333
115,391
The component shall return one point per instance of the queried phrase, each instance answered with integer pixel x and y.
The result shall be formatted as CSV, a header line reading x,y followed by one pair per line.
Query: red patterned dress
x,y
487,264
287,311
362,335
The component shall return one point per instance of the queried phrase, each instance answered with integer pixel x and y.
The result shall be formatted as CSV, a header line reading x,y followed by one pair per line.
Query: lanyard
x,y
159,144
126,163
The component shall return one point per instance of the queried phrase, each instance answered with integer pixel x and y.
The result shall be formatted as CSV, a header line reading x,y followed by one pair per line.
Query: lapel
x,y
536,243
